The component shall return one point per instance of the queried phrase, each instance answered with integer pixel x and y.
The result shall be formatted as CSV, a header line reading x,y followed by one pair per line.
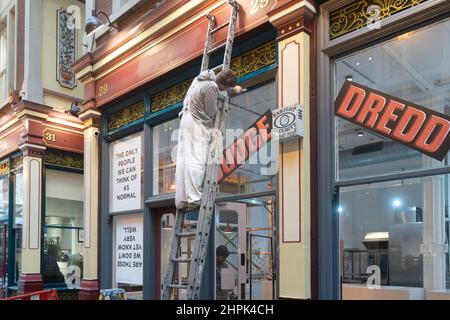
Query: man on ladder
x,y
204,119
197,119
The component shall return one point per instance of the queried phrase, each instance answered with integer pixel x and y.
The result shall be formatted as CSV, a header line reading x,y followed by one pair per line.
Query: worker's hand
x,y
236,90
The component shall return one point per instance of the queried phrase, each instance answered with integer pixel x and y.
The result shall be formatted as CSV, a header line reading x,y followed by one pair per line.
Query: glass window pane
x,y
165,139
414,67
4,198
18,199
18,220
126,173
244,252
63,222
128,254
398,226
258,173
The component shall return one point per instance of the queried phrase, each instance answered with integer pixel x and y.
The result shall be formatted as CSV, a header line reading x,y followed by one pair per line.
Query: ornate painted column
x,y
294,22
32,116
89,288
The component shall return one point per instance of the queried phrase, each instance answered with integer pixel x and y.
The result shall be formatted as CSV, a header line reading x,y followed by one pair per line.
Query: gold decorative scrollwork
x,y
169,97
361,13
126,115
17,162
254,60
242,65
64,159
4,167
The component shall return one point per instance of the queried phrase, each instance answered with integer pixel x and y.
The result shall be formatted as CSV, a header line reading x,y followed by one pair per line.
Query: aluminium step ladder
x,y
196,262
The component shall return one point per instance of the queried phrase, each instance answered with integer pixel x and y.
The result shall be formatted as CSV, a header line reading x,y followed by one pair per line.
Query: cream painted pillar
x,y
89,285
31,241
32,83
32,116
293,21
30,278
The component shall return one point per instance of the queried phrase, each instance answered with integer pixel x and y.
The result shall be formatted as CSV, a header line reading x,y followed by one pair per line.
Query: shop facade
x,y
41,148
135,83
383,207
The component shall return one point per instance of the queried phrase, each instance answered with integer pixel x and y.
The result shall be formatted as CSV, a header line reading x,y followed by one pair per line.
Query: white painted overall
x,y
197,119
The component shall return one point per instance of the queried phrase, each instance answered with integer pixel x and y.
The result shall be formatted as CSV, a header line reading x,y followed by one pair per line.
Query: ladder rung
x,y
220,27
217,48
181,259
185,234
177,286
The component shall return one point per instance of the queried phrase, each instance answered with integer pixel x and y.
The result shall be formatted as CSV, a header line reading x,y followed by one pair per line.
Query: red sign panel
x,y
253,139
422,129
63,140
182,47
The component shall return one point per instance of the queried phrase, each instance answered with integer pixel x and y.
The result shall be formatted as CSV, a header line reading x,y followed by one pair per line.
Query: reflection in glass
x,y
414,67
63,222
18,220
245,110
391,225
164,156
244,249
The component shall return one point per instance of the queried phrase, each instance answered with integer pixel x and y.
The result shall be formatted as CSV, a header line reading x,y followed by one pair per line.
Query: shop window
x,y
4,198
414,66
167,223
128,254
126,174
398,227
164,156
259,171
63,236
18,220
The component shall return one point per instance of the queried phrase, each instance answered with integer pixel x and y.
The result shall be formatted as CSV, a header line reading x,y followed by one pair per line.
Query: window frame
x,y
421,15
44,210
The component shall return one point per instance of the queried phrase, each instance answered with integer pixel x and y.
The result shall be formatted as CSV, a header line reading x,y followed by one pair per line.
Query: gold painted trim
x,y
248,62
126,115
17,162
362,13
4,167
64,159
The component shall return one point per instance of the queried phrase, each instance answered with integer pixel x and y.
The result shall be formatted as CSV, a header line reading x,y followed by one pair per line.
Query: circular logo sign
x,y
284,119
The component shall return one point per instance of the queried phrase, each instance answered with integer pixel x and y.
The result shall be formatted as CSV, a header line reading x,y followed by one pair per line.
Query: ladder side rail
x,y
175,248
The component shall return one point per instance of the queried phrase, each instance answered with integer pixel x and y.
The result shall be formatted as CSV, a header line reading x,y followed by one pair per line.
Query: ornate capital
x,y
291,17
90,118
32,150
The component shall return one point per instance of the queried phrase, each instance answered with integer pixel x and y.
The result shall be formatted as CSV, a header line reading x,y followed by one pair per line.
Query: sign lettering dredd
x,y
414,126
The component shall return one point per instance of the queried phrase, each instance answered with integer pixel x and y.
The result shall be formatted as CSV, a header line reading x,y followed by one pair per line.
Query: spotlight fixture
x,y
94,22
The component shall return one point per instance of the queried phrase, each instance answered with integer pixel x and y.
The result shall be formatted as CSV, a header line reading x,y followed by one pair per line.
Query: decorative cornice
x,y
126,115
64,159
32,150
245,64
90,118
155,25
361,13
31,109
292,17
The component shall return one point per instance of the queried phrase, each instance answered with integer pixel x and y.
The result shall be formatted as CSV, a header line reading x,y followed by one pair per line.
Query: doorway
x,y
244,246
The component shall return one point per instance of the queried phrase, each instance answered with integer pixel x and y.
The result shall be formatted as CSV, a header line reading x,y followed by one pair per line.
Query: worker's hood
x,y
207,75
